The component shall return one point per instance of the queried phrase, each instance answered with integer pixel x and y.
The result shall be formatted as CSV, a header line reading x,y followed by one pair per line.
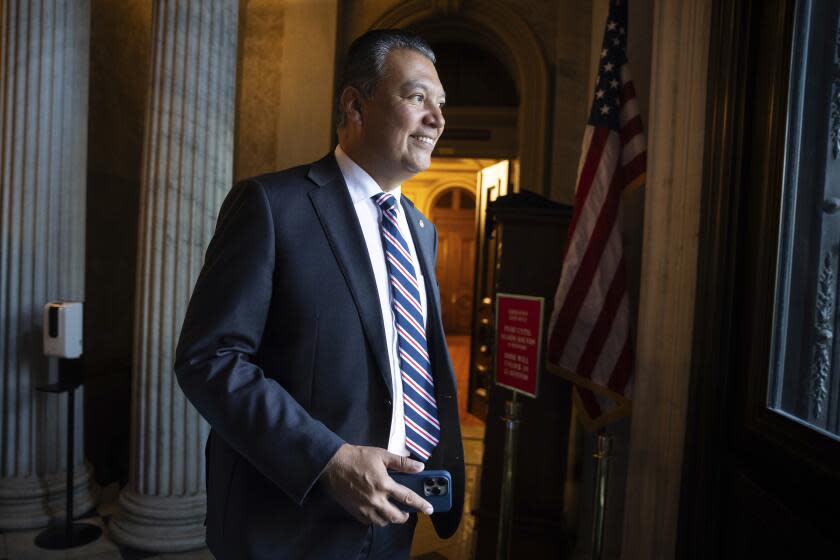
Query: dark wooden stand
x,y
527,234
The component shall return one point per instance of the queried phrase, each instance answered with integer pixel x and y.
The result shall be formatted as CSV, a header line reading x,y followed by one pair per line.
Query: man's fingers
x,y
393,513
403,464
371,515
403,495
358,481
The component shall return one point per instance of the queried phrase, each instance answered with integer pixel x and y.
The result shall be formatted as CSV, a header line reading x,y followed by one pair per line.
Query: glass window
x,y
444,200
467,200
805,362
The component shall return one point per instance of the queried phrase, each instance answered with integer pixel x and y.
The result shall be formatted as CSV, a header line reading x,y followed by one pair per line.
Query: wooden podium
x,y
521,253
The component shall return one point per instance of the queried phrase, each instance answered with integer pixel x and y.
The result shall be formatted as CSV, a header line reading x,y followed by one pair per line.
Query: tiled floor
x,y
20,545
459,351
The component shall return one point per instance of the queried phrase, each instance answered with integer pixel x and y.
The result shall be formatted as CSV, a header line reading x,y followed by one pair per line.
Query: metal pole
x,y
68,520
56,537
602,456
511,421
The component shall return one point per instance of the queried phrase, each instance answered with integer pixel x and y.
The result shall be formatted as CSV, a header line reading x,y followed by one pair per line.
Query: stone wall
x,y
285,84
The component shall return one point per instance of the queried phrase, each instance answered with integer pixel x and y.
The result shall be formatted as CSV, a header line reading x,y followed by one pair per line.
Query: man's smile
x,y
425,139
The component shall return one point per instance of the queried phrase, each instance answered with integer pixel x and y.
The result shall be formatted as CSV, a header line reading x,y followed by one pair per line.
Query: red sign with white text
x,y
519,321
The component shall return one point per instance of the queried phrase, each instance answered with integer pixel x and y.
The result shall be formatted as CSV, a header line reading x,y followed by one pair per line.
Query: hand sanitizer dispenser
x,y
63,329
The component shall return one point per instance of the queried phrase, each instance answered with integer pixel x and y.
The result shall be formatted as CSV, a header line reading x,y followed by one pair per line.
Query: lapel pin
x,y
421,223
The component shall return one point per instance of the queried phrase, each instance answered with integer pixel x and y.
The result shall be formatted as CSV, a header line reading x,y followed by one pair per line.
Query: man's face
x,y
401,124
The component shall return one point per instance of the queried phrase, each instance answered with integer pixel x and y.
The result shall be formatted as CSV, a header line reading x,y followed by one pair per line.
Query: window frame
x,y
766,432
731,433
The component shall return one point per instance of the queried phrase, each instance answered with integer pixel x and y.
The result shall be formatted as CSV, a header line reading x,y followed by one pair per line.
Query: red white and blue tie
x,y
422,429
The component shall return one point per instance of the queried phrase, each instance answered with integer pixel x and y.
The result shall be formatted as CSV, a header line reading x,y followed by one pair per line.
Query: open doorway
x,y
453,194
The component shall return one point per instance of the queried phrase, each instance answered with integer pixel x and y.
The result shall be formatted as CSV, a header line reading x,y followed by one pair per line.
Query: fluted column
x,y
187,170
43,152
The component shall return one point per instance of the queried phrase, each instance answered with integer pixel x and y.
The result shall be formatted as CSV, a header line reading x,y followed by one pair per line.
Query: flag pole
x,y
602,458
511,422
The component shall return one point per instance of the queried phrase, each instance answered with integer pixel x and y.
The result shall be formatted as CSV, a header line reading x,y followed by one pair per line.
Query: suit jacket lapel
x,y
338,218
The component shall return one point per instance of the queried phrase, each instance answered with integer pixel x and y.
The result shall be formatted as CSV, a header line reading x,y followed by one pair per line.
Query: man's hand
x,y
357,478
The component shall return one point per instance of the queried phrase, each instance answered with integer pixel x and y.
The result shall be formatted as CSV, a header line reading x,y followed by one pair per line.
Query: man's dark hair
x,y
364,66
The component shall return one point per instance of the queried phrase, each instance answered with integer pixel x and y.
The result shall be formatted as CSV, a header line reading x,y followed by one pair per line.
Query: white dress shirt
x,y
362,187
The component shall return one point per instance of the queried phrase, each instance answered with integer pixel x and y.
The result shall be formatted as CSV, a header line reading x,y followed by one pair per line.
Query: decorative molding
x,y
837,43
440,187
817,391
834,133
447,7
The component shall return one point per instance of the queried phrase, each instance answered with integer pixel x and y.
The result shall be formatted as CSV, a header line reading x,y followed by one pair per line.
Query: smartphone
x,y
434,486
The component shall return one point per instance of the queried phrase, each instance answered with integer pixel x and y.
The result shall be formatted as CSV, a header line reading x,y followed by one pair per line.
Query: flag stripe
x,y
613,345
633,149
630,130
635,167
590,168
604,323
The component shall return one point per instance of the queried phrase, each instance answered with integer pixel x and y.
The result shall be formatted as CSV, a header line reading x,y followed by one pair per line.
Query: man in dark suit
x,y
313,342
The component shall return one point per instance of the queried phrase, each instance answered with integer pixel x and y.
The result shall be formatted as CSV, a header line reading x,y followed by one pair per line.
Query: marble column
x,y
43,153
187,170
678,90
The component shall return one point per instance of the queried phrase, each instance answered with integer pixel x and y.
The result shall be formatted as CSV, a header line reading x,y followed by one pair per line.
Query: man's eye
x,y
418,97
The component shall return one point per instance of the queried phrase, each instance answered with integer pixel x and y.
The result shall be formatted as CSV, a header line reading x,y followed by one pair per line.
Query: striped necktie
x,y
422,430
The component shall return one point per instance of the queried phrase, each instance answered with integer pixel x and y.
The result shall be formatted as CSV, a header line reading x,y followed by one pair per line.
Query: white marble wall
x,y
187,170
43,152
681,32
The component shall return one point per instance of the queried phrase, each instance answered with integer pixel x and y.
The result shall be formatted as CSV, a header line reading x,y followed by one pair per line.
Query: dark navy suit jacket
x,y
283,352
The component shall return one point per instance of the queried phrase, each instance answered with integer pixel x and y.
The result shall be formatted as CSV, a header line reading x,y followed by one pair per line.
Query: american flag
x,y
589,332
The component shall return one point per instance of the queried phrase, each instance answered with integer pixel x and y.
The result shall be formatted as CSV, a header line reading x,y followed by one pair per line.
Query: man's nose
x,y
434,117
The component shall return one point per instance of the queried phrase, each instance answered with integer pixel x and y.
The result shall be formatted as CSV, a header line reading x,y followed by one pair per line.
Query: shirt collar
x,y
359,183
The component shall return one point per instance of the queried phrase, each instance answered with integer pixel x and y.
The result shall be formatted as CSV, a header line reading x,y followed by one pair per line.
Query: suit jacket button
x,y
388,402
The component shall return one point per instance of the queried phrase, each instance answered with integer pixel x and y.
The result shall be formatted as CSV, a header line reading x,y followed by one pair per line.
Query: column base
x,y
159,523
32,502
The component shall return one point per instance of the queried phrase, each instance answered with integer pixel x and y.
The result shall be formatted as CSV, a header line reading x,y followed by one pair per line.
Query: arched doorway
x,y
453,213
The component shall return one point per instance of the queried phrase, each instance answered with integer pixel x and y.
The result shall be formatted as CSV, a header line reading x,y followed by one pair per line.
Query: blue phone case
x,y
433,486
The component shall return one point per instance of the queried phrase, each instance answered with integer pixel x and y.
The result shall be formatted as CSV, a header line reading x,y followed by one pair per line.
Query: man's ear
x,y
351,104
